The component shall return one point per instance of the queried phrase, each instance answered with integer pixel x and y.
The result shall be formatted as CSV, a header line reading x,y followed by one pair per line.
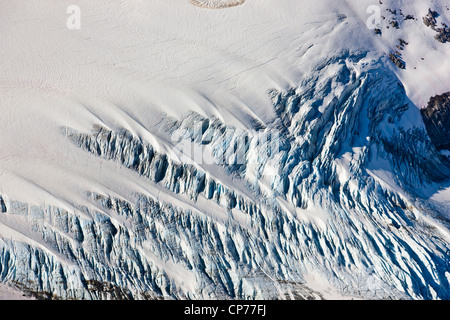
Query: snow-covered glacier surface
x,y
269,150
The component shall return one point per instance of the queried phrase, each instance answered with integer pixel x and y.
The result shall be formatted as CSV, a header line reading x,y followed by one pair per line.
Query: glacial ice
x,y
319,206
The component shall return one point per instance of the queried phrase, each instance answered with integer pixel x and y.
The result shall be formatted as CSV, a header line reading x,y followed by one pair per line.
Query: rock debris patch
x,y
217,4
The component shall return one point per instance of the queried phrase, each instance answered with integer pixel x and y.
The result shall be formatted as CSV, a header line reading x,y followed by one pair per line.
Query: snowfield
x,y
97,202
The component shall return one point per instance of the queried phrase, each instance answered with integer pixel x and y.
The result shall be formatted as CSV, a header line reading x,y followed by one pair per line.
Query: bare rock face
x,y
443,34
436,117
429,20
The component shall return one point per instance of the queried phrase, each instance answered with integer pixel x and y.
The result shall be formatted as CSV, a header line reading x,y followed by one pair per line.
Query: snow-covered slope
x,y
269,149
8,293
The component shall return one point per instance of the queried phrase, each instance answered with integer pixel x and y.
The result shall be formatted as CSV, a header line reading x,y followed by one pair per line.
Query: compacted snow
x,y
97,202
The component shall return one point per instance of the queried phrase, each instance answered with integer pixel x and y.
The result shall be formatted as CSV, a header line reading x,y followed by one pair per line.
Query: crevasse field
x,y
195,149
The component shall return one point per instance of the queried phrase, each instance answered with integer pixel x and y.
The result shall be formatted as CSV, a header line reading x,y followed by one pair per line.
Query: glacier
x,y
333,189
261,245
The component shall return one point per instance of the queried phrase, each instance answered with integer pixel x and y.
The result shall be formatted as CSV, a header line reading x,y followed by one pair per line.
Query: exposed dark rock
x,y
402,42
436,117
396,59
394,12
443,35
432,13
2,205
395,24
429,20
108,290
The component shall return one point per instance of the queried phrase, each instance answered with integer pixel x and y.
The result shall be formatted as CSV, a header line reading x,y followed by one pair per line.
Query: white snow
x,y
9,293
134,62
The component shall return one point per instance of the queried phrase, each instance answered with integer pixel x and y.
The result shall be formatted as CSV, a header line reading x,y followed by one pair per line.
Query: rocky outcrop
x,y
397,60
436,117
2,205
430,19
